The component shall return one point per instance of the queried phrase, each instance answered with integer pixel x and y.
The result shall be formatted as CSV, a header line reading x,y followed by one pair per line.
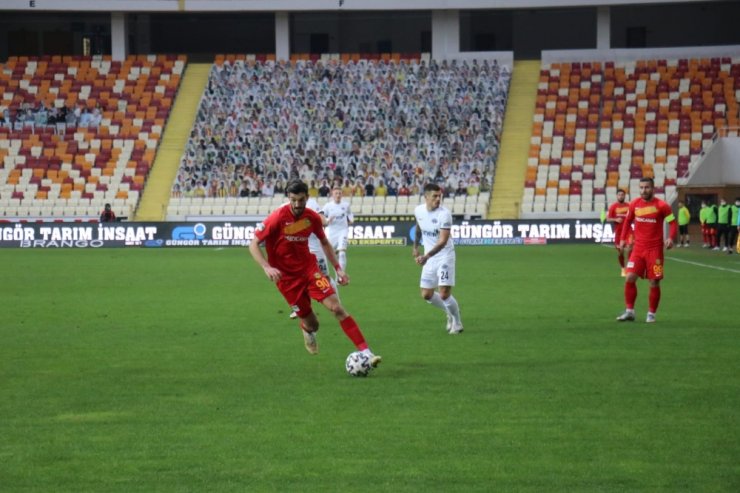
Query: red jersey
x,y
648,217
618,209
286,239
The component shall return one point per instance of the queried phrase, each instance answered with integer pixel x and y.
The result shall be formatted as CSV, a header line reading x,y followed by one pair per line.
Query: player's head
x,y
621,195
646,188
297,192
336,194
432,195
722,201
107,207
680,204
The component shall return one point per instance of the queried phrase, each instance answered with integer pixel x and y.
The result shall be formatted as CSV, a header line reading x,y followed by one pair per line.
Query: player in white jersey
x,y
338,218
433,224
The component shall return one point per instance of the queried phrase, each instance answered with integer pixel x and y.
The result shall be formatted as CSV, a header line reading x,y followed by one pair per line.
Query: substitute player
x,y
616,214
338,218
291,266
433,223
684,218
648,214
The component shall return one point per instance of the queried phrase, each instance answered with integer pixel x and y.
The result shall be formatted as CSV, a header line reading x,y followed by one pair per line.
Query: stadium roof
x,y
305,5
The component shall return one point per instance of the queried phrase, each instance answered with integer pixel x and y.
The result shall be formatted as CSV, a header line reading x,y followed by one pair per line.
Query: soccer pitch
x,y
178,370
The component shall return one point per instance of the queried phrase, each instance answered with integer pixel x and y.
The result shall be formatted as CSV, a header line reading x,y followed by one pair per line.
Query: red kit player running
x,y
647,213
294,268
617,213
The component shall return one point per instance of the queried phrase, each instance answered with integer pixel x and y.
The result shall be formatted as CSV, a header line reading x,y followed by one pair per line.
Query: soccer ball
x,y
358,364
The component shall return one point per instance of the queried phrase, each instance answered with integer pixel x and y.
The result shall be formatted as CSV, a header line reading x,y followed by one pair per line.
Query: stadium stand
x,y
599,126
78,132
388,121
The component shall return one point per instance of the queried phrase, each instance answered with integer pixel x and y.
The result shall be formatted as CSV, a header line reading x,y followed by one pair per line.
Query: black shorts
x,y
683,230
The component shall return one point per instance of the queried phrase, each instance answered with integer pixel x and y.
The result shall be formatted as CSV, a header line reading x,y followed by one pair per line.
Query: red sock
x,y
630,295
350,327
621,259
654,299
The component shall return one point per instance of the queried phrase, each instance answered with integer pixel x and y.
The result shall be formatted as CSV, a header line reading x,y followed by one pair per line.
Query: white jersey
x,y
314,245
339,216
429,224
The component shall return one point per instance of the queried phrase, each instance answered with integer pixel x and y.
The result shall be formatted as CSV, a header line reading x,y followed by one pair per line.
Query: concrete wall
x,y
720,166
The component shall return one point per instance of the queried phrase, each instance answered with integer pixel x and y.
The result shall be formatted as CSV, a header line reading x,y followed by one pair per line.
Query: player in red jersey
x,y
294,268
616,214
647,213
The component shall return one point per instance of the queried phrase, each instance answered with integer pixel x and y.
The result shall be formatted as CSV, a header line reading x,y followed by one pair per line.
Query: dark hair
x,y
647,179
431,187
296,187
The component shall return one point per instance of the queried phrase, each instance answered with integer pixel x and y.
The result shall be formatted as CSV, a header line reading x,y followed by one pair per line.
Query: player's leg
x,y
446,280
635,266
620,259
349,327
428,284
341,249
308,322
653,300
655,262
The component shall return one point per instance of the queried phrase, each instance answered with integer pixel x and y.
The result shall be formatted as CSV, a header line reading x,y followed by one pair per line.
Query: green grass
x,y
178,370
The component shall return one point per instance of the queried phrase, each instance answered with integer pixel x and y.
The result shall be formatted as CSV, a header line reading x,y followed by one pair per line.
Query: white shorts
x,y
321,260
338,241
438,271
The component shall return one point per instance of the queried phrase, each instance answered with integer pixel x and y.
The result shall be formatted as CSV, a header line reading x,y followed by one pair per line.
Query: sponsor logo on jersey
x,y
645,220
297,226
644,211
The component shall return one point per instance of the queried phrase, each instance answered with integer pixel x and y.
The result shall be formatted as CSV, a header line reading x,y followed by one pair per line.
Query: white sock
x,y
342,259
437,301
453,308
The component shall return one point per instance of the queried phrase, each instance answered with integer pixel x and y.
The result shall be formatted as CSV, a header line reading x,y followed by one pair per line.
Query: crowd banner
x,y
365,231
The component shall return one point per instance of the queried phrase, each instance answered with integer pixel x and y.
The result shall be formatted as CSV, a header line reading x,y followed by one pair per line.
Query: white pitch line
x,y
704,265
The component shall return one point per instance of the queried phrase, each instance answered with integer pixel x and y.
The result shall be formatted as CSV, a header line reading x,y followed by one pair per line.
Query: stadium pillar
x,y
282,36
603,28
118,35
445,34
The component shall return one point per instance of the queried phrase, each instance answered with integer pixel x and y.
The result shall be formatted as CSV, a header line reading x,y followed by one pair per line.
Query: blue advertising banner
x,y
375,231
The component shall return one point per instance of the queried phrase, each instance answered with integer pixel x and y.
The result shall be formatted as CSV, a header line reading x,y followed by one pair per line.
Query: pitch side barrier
x,y
366,231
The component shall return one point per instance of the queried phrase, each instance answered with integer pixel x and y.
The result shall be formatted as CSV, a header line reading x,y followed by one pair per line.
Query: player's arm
x,y
331,256
254,249
444,236
672,227
611,216
626,227
417,241
324,220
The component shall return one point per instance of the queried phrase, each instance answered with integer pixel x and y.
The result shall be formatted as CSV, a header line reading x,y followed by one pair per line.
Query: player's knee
x,y
310,323
339,311
427,295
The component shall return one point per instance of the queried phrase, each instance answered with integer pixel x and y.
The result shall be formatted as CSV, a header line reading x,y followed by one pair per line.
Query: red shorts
x,y
646,263
299,290
628,243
